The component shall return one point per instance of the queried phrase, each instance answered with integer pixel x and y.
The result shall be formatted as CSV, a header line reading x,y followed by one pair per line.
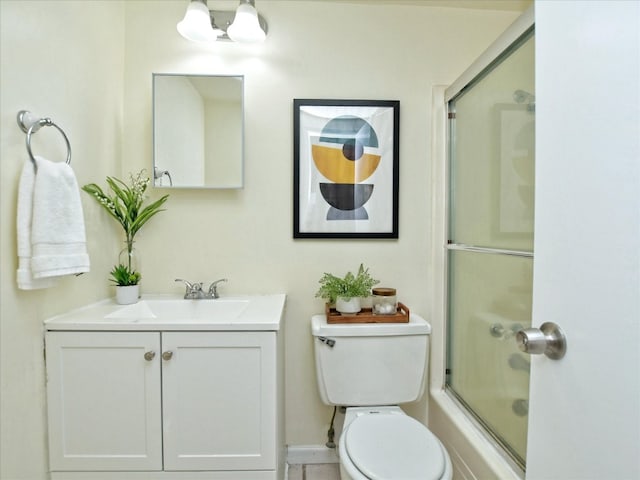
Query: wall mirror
x,y
198,131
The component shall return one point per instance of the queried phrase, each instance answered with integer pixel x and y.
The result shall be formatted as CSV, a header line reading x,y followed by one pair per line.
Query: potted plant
x,y
127,284
346,292
125,204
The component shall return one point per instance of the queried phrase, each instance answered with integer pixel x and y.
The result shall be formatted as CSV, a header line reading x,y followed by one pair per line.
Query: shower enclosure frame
x,y
506,43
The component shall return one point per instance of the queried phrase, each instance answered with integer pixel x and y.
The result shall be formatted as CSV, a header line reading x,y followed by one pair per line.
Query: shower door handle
x,y
548,339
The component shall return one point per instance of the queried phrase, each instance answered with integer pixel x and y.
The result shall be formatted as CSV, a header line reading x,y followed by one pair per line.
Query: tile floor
x,y
321,471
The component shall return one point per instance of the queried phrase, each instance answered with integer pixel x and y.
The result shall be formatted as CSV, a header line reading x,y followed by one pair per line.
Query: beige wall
x,y
65,60
62,60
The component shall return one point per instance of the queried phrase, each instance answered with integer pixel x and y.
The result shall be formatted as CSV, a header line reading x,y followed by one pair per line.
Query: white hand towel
x,y
23,224
58,239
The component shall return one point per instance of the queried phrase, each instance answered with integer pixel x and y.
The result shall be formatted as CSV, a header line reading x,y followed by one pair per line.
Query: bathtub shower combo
x,y
490,244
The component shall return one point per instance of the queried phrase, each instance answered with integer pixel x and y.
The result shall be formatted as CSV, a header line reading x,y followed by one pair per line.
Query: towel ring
x,y
24,118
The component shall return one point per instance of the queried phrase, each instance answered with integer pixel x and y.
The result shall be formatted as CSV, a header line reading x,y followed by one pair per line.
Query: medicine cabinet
x,y
198,131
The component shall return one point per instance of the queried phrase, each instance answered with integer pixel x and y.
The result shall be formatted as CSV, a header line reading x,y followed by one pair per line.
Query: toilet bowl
x,y
383,443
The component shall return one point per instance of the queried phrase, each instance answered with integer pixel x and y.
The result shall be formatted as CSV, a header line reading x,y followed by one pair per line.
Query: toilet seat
x,y
387,446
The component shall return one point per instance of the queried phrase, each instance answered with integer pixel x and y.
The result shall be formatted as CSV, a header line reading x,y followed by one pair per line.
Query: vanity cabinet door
x,y
219,400
104,401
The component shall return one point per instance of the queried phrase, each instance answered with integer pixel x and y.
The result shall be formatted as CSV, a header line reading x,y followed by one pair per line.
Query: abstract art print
x,y
346,168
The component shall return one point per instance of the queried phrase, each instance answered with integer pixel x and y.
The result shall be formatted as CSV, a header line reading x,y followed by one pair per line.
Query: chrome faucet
x,y
194,290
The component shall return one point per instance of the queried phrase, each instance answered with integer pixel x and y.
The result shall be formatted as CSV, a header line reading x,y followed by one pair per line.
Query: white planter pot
x,y
348,306
127,295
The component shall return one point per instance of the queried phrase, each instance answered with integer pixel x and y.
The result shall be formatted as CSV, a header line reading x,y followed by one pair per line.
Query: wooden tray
x,y
367,316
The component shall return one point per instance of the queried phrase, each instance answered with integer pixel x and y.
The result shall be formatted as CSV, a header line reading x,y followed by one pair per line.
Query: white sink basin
x,y
179,310
172,312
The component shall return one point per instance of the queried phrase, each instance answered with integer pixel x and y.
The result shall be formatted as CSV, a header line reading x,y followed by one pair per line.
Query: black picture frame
x,y
345,168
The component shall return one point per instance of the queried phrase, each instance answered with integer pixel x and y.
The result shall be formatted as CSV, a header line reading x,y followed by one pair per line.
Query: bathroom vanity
x,y
167,389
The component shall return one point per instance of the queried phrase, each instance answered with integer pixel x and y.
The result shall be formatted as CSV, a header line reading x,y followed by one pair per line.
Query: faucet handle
x,y
213,288
193,290
189,285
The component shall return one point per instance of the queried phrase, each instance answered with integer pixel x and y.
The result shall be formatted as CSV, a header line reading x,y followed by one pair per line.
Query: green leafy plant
x,y
122,276
358,285
125,203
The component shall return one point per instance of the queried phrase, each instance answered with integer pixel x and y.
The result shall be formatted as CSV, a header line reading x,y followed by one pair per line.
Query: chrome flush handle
x,y
327,341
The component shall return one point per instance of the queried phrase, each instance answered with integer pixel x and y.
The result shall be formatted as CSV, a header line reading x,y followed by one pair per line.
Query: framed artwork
x,y
345,168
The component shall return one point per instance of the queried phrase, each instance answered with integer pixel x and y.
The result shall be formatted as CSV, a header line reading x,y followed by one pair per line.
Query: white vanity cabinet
x,y
163,403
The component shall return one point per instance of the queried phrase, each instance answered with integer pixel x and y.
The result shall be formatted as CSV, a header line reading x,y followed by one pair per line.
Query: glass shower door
x,y
490,247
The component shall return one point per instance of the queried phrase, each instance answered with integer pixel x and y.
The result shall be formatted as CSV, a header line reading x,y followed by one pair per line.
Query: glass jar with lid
x,y
384,301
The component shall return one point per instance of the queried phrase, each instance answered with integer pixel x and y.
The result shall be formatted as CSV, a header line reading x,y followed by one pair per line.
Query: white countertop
x,y
173,313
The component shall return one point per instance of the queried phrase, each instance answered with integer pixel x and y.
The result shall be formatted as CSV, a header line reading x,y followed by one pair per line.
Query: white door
x,y
585,408
103,395
219,400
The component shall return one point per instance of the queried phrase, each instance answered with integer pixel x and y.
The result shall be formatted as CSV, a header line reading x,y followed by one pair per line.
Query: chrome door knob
x,y
548,339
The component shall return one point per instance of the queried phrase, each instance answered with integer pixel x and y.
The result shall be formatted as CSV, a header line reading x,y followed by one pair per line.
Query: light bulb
x,y
246,27
196,24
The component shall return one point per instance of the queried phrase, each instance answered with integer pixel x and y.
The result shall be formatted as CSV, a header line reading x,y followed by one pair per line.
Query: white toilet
x,y
371,368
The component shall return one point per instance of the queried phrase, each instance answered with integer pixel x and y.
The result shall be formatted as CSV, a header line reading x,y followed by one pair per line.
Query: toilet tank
x,y
362,364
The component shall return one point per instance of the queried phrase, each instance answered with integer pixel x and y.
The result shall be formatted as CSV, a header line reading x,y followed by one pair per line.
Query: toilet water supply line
x,y
331,433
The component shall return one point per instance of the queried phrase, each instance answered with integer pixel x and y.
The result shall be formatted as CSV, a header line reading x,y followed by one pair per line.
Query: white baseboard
x,y
310,454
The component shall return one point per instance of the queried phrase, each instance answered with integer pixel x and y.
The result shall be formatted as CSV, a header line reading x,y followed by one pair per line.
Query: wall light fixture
x,y
245,25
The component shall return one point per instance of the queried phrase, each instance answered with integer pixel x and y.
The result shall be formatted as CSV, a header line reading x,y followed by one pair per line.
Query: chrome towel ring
x,y
30,124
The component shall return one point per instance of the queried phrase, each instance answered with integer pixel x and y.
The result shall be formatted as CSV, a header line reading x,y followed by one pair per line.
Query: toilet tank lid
x,y
416,326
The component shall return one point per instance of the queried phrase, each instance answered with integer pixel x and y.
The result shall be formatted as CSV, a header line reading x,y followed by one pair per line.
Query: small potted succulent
x,y
127,284
346,292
